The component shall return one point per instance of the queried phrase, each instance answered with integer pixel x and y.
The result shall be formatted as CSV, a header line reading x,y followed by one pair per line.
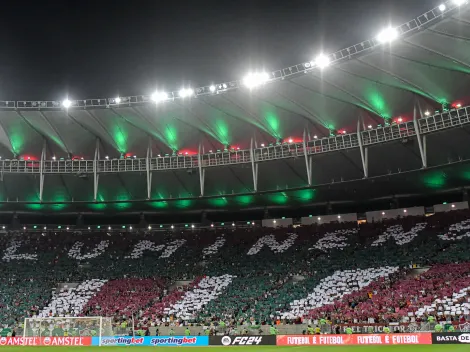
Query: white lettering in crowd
x,y
75,251
10,253
401,237
213,248
334,240
271,242
146,245
457,231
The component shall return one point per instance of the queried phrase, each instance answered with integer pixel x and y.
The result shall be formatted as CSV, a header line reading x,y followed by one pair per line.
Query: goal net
x,y
68,326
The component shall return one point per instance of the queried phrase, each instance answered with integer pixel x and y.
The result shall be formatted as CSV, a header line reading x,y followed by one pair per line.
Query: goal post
x,y
68,326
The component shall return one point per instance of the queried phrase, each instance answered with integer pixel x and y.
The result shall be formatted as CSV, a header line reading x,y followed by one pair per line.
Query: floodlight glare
x,y
427,113
212,88
253,80
388,35
66,103
185,92
159,96
322,61
117,100
442,7
459,2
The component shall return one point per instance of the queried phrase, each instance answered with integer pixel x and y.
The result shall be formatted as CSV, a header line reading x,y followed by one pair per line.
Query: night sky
x,y
101,48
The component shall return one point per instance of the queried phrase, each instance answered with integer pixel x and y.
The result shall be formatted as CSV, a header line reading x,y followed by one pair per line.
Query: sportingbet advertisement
x,y
170,341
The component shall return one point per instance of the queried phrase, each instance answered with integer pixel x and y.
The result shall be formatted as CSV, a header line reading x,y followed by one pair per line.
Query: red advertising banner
x,y
363,339
46,341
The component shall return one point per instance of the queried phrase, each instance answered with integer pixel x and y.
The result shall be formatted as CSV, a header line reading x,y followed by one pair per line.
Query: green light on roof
x,y
310,216
283,217
185,225
248,223
444,203
222,224
59,227
98,227
35,227
123,227
161,225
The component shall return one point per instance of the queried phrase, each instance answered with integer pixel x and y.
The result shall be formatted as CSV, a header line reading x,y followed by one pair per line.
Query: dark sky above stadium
x,y
102,48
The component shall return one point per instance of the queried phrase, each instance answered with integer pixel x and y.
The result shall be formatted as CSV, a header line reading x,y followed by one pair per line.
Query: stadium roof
x,y
377,84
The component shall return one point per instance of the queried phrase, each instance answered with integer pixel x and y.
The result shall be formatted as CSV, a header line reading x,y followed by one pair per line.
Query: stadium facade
x,y
382,120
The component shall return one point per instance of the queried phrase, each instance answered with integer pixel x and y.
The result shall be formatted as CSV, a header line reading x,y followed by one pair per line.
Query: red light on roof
x,y
343,131
28,157
292,140
187,152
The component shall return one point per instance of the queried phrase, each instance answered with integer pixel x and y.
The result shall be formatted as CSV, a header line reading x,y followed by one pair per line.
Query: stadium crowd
x,y
239,279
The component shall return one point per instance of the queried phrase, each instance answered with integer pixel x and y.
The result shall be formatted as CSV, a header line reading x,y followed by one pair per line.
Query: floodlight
x,y
107,157
192,226
442,7
459,2
185,92
262,145
150,227
383,213
369,127
322,61
388,35
172,227
212,225
315,137
458,105
290,140
319,219
427,113
159,96
117,100
66,103
212,88
400,119
253,80
53,158
274,221
233,224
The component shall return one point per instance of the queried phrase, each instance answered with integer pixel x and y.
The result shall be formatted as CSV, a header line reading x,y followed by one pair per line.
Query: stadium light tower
x,y
66,103
185,92
388,35
322,61
159,96
253,80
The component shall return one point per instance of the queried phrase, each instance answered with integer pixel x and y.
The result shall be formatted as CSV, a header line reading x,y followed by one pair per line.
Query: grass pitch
x,y
408,348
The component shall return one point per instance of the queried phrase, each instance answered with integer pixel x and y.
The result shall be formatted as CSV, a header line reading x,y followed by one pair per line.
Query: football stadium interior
x,y
328,198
